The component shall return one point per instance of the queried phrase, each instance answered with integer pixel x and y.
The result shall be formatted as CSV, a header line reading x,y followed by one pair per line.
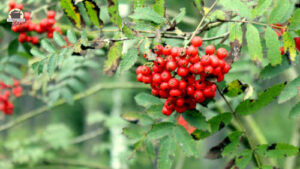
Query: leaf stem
x,y
244,128
88,92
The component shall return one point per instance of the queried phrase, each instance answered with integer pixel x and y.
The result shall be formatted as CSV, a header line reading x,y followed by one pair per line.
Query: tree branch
x,y
73,163
89,92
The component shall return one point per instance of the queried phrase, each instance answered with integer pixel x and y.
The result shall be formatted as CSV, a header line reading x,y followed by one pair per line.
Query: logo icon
x,y
16,16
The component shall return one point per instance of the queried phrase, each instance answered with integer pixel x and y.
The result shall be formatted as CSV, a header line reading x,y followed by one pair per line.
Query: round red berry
x,y
210,50
197,41
222,53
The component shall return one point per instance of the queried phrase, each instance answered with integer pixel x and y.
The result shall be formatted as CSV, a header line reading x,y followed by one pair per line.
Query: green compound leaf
x,y
160,130
180,16
48,46
71,36
271,71
295,111
128,60
243,159
238,6
113,58
185,141
264,98
166,153
196,119
295,20
277,150
289,45
59,39
147,14
220,121
254,43
72,12
52,64
273,46
113,10
93,12
138,3
147,100
261,8
236,33
13,47
290,91
279,11
235,88
159,7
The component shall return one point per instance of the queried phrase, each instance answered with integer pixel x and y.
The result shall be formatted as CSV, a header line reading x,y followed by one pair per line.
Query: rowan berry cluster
x,y
6,91
181,76
45,26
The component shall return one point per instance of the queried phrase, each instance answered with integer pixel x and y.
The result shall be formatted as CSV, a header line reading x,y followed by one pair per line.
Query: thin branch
x,y
73,163
88,136
246,134
255,23
201,22
89,92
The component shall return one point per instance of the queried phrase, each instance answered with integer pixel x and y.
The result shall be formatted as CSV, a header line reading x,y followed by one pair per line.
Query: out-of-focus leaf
x,y
147,14
180,16
277,150
262,6
48,46
196,119
243,159
113,58
295,20
279,11
290,91
160,130
264,98
254,43
238,6
236,33
185,141
113,10
166,153
93,12
198,4
295,111
138,3
72,11
13,47
219,121
147,100
59,39
289,45
13,71
128,60
52,64
273,46
71,36
67,95
271,71
235,88
159,7
37,53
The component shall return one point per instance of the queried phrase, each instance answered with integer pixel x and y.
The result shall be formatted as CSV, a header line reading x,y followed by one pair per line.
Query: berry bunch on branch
x,y
6,92
182,77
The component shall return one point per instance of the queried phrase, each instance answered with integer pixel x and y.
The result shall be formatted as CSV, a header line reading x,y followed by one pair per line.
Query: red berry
x,y
190,90
50,35
157,69
154,92
158,49
164,86
210,50
44,23
156,78
198,96
175,92
167,50
14,28
147,79
50,22
38,29
182,85
208,69
197,68
194,59
183,62
171,66
173,83
182,71
200,85
192,51
214,61
51,14
222,53
27,15
146,70
139,70
139,77
220,77
160,61
19,6
180,102
163,94
17,91
226,68
22,37
197,41
180,109
282,50
175,52
166,111
165,76
182,52
297,42
12,4
205,60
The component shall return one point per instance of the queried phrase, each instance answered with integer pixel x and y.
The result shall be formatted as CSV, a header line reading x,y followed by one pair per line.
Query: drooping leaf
x,y
254,43
180,16
159,7
128,60
279,11
219,121
48,46
235,88
236,33
273,46
185,141
295,20
277,150
147,100
271,71
59,39
198,4
289,45
290,91
72,12
261,8
196,119
166,153
113,10
228,145
243,159
295,111
147,14
71,36
113,58
93,12
264,98
238,6
13,47
160,130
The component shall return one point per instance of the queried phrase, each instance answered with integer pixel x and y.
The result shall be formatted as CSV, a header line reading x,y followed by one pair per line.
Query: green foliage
x,y
160,130
93,12
128,60
159,7
278,150
295,111
185,141
254,43
273,46
279,11
237,6
261,8
290,91
147,100
270,71
72,12
236,33
264,98
113,10
243,159
295,20
235,88
289,45
59,39
113,58
147,14
196,119
166,153
180,16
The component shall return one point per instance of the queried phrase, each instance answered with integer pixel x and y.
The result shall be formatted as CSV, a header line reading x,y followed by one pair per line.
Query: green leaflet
x,y
289,45
243,159
159,7
278,150
185,141
128,60
295,111
72,12
113,58
196,119
278,13
235,88
166,153
147,14
261,8
273,46
295,20
198,4
238,6
254,43
138,3
113,10
264,98
160,130
147,100
94,13
236,33
289,91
